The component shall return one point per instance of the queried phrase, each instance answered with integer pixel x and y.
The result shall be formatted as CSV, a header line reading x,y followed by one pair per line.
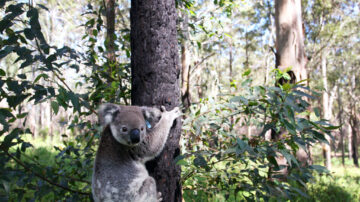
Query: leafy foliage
x,y
219,159
69,177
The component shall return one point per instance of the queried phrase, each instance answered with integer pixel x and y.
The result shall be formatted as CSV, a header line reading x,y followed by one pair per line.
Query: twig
x,y
202,61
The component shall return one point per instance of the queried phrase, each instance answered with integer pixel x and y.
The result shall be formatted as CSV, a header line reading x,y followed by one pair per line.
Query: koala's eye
x,y
124,129
142,128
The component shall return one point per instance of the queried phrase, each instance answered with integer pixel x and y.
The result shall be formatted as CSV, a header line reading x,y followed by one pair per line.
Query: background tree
x,y
155,80
290,54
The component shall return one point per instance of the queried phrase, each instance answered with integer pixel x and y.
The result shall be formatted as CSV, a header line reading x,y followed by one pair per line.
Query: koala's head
x,y
128,124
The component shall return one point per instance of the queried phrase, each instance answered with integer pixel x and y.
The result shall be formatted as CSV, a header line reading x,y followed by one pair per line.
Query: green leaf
x,y
45,76
301,93
273,161
28,34
319,169
25,145
317,111
6,51
290,127
286,76
55,107
22,115
331,127
200,161
10,137
42,6
22,76
267,127
319,136
5,23
239,99
95,32
6,112
75,101
247,72
14,101
289,157
182,162
2,72
286,86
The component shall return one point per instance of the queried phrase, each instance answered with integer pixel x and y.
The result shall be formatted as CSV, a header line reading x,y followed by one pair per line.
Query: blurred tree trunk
x,y
354,122
349,140
247,46
341,129
110,34
326,111
354,130
185,73
155,80
290,51
272,38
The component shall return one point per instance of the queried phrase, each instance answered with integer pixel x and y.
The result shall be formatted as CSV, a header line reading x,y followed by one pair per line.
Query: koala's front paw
x,y
159,197
176,112
171,115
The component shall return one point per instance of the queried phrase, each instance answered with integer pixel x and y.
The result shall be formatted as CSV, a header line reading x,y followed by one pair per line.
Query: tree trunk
x,y
290,51
185,73
289,44
354,130
110,34
327,111
349,140
354,122
341,129
155,80
247,46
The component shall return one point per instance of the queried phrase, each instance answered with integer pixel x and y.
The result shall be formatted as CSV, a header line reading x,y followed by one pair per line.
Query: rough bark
x,y
155,80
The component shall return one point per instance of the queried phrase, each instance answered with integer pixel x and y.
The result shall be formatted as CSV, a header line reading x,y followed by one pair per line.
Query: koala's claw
x,y
159,196
162,108
177,112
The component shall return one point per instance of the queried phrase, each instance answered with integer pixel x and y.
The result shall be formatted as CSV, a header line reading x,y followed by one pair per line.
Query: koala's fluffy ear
x,y
151,115
107,112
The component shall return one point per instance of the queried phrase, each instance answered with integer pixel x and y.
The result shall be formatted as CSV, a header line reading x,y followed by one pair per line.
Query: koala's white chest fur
x,y
109,190
126,144
138,181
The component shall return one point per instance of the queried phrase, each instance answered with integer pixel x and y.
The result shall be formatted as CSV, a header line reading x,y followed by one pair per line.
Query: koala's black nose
x,y
135,136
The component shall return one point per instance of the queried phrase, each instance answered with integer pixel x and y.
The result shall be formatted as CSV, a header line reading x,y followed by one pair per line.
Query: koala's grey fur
x,y
119,172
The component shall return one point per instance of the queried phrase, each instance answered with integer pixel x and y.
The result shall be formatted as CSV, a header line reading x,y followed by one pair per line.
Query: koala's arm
x,y
155,139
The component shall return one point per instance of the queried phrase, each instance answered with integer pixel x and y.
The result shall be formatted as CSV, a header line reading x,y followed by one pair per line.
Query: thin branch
x,y
202,61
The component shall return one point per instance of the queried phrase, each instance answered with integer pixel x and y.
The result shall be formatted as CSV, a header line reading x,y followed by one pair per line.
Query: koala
x,y
132,135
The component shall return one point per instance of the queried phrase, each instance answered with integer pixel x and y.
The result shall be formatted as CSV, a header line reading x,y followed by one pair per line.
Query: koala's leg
x,y
157,137
148,191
